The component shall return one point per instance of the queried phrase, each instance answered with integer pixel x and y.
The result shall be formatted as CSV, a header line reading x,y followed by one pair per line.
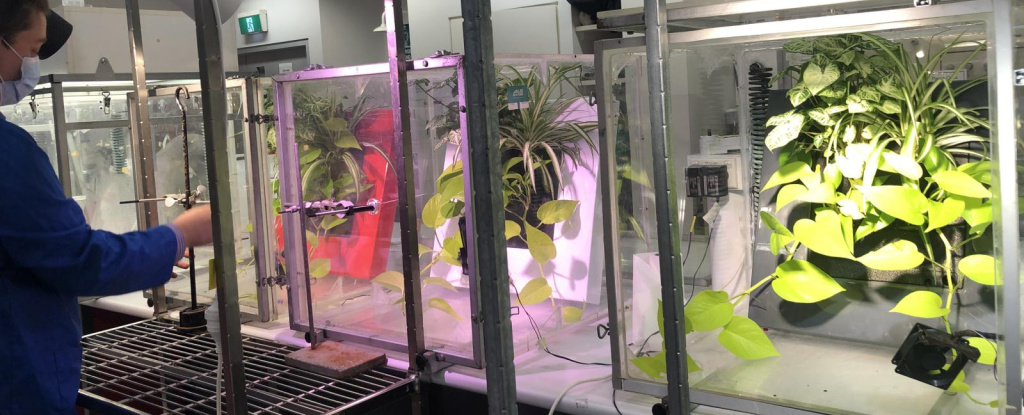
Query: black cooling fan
x,y
933,356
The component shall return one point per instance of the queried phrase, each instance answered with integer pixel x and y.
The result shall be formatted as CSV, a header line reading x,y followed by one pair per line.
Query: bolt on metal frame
x,y
998,17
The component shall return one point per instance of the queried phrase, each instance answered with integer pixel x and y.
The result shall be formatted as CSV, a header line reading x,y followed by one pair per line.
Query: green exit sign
x,y
252,22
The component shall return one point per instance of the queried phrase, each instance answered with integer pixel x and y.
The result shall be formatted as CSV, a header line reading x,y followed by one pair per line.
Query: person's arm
x,y
43,231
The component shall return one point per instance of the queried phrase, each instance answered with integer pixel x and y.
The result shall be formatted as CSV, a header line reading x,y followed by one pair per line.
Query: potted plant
x,y
874,142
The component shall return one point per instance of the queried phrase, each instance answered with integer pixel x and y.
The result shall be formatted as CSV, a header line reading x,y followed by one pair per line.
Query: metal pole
x,y
60,133
142,151
406,186
665,205
215,106
1006,191
485,213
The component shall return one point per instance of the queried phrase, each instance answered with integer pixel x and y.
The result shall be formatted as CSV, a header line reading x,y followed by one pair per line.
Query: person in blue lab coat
x,y
48,254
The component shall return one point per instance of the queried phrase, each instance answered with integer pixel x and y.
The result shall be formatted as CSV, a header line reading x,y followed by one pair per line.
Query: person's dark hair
x,y
17,15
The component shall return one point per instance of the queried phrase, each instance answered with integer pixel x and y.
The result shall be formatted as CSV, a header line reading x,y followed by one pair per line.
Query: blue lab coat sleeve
x,y
44,232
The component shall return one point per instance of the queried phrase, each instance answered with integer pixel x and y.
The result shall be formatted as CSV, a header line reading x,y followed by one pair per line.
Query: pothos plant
x,y
874,141
535,142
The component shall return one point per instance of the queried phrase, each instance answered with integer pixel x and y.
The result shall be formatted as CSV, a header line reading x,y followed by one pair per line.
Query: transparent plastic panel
x,y
166,124
343,130
39,124
550,177
837,305
98,105
102,177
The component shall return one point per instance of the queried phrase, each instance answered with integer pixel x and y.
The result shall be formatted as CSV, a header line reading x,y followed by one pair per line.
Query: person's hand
x,y
183,264
196,226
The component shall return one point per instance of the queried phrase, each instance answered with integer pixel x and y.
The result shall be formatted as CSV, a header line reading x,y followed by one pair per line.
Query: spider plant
x,y
540,133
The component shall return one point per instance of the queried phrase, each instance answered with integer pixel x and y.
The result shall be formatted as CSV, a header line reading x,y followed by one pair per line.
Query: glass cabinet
x,y
336,149
841,175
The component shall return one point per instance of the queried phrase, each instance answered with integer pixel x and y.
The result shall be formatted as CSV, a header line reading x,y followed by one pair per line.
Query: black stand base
x,y
192,319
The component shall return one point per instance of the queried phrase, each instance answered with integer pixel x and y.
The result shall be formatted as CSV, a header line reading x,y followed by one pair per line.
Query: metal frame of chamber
x,y
258,194
298,271
731,25
150,367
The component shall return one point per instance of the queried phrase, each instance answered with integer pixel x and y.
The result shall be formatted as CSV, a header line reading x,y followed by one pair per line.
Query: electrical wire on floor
x,y
614,402
540,338
568,388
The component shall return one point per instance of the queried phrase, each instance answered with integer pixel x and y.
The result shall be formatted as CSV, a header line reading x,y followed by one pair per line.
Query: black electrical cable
x,y
540,337
614,403
640,351
693,286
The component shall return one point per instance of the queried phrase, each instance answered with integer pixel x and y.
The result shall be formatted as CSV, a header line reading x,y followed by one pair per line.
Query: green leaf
x,y
556,211
425,250
979,170
802,46
857,104
772,223
440,282
823,235
872,223
788,194
994,404
709,310
452,209
986,347
958,385
653,366
819,193
890,107
847,58
312,239
320,267
441,304
571,314
821,116
541,247
248,227
779,242
336,124
888,87
979,268
900,202
535,292
332,222
432,217
450,250
347,141
907,166
745,339
787,128
512,229
391,280
976,213
944,213
869,93
899,255
921,304
661,318
788,173
691,366
960,183
816,78
801,282
798,95
309,156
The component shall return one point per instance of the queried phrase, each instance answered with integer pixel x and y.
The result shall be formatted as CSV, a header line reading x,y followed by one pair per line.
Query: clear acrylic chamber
x,y
168,165
338,124
806,292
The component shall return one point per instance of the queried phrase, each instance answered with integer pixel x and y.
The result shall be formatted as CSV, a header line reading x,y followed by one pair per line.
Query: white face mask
x,y
11,92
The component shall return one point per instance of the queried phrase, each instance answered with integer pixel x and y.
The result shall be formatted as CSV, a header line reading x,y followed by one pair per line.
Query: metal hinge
x,y
923,3
1018,77
279,280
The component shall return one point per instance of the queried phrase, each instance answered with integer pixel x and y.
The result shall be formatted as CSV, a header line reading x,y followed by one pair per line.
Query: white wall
x,y
168,37
430,21
348,36
288,20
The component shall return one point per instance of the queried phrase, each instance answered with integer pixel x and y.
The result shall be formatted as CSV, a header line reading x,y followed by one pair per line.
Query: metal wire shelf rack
x,y
150,367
